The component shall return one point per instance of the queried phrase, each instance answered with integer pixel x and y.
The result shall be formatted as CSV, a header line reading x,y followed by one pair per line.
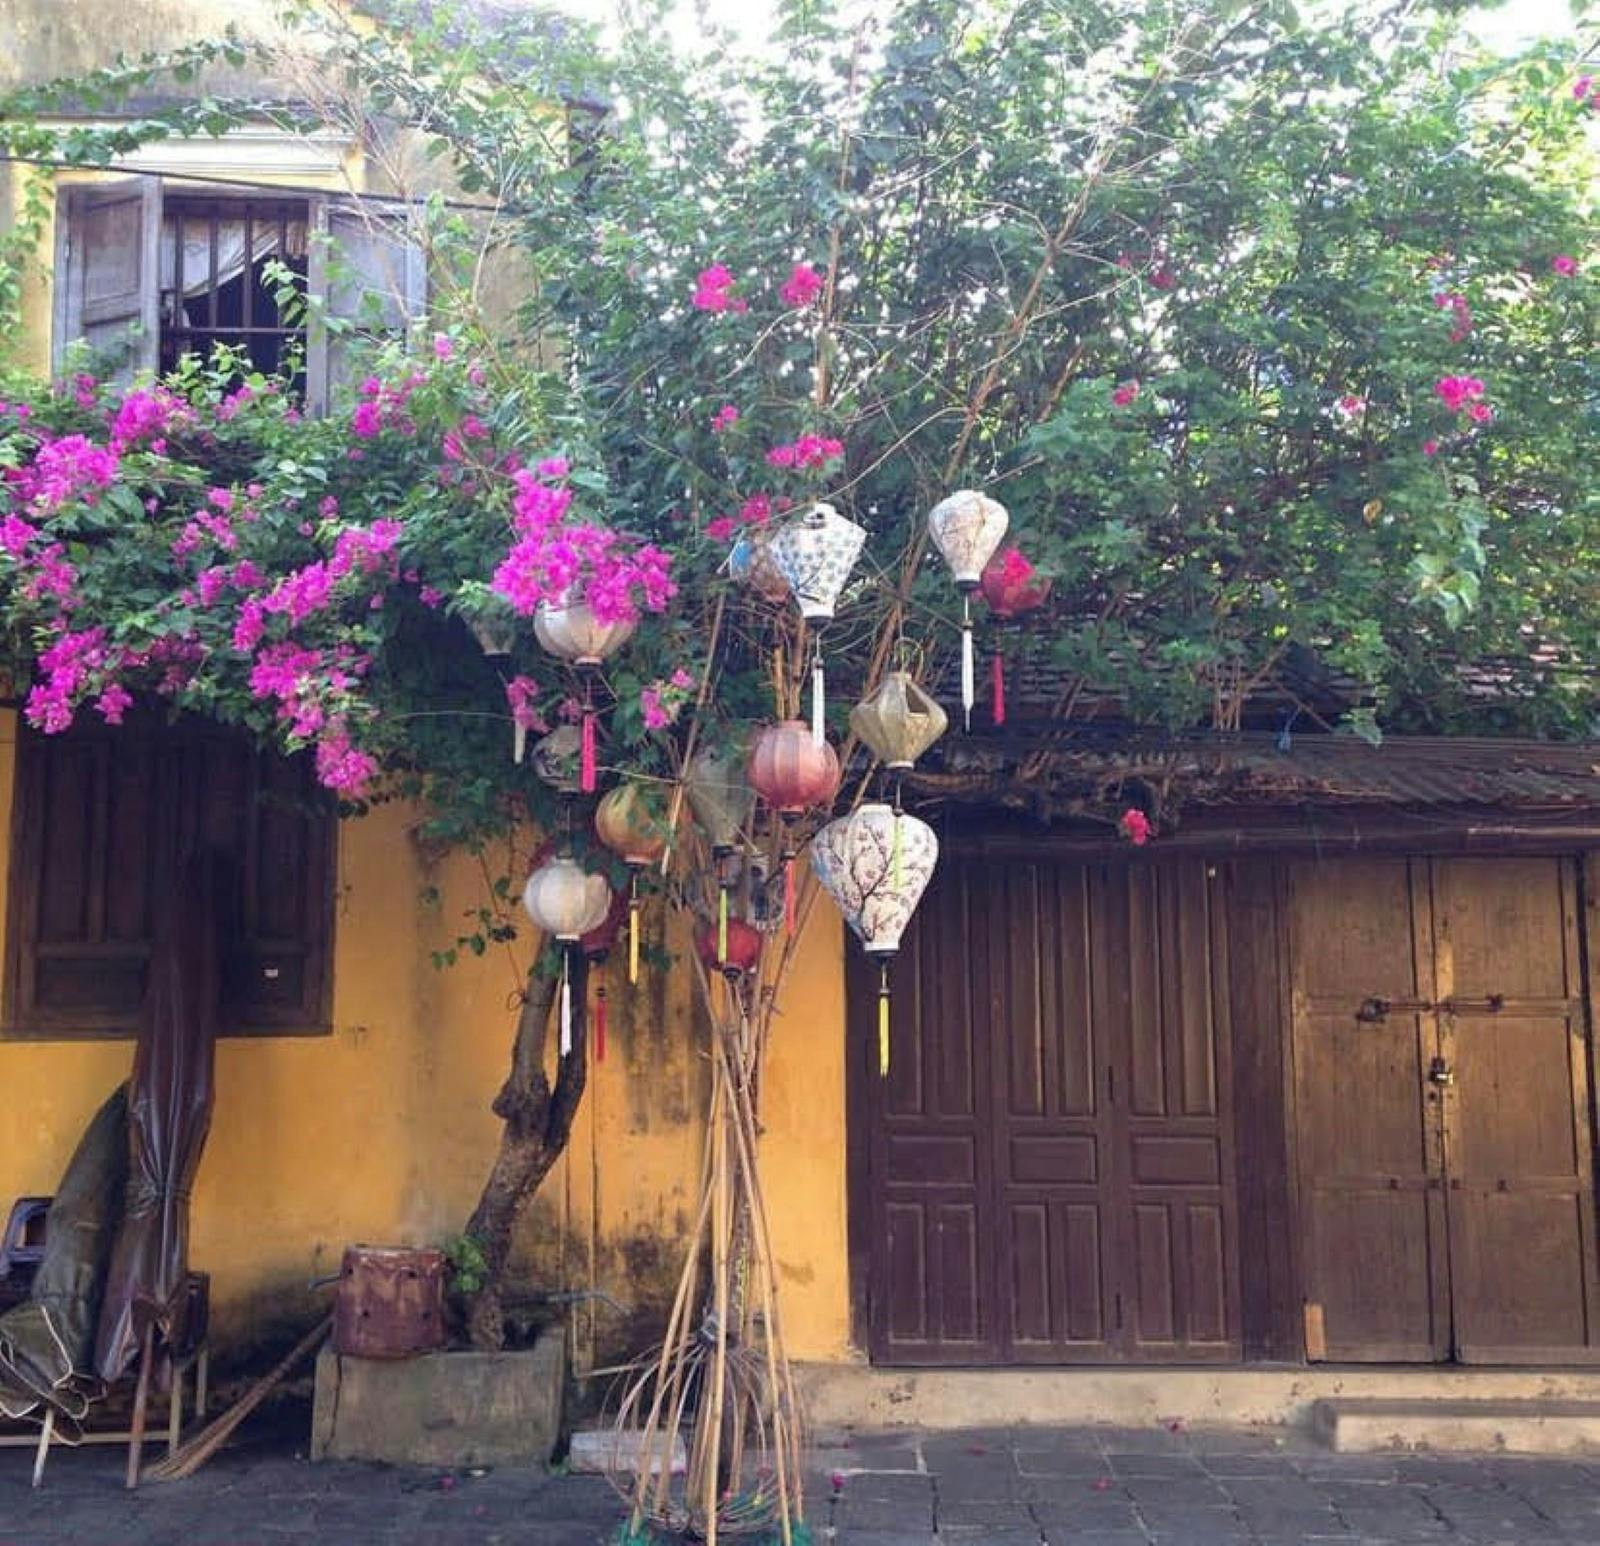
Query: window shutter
x,y
371,274
89,827
99,816
277,976
107,273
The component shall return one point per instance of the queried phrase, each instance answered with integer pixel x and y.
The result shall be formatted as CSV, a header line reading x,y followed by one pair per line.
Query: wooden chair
x,y
188,1357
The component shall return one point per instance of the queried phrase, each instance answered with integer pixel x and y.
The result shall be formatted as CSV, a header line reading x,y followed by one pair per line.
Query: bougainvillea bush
x,y
1273,337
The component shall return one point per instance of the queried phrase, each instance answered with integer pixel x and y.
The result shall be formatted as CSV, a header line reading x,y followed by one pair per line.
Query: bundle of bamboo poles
x,y
720,1378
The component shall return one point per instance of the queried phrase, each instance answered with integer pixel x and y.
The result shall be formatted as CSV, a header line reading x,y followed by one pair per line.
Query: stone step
x,y
1539,1426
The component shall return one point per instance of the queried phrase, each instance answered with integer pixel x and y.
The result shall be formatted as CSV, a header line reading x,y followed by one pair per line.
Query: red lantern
x,y
791,770
743,946
1012,586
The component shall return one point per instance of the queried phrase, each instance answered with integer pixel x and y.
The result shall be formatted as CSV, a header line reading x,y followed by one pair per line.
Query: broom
x,y
189,1457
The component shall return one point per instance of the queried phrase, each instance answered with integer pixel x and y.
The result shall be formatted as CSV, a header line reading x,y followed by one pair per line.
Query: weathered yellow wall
x,y
381,1131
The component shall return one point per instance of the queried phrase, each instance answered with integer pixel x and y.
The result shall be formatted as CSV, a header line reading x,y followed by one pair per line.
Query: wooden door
x,y
1442,1109
1049,1160
1518,1153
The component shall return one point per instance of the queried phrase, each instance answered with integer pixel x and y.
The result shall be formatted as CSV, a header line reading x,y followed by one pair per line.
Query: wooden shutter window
x,y
369,274
106,277
98,815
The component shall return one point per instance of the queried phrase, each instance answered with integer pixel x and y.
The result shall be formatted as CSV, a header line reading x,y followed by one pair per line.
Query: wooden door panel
x,y
1175,1198
1518,1149
1371,1266
932,1244
1368,1124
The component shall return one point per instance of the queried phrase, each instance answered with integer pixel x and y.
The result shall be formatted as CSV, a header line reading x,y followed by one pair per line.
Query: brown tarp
x,y
169,1114
47,1343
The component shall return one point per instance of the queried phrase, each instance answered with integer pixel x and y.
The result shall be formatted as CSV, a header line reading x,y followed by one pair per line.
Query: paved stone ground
x,y
1019,1487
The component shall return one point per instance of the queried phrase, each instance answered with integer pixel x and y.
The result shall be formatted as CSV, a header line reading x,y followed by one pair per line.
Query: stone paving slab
x,y
991,1487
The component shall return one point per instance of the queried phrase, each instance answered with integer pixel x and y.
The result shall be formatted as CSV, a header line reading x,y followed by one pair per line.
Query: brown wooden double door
x,y
1441,1073
1049,1165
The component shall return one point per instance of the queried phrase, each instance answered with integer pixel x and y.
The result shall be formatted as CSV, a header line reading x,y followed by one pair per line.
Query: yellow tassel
x,y
883,1033
896,850
633,943
722,926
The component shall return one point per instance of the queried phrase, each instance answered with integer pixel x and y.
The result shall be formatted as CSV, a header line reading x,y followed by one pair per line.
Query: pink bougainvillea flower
x,y
802,287
1430,447
1124,394
1481,413
430,597
1163,279
724,418
1351,405
442,346
720,529
1135,826
522,697
553,467
1580,87
756,510
713,289
113,702
1564,266
807,453
1457,391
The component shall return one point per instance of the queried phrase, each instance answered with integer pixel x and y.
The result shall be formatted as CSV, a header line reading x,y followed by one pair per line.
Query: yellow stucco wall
x,y
381,1131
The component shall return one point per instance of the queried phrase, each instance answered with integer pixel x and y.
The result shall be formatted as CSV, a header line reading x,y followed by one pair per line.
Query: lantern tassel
x,y
969,672
883,1023
818,697
600,1025
722,925
519,742
566,1007
587,770
633,941
788,894
999,689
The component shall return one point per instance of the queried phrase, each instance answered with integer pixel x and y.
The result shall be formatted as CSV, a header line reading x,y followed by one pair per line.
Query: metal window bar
x,y
193,320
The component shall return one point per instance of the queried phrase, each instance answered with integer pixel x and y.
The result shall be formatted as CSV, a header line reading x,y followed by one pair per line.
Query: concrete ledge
x,y
849,1395
442,1409
1529,1427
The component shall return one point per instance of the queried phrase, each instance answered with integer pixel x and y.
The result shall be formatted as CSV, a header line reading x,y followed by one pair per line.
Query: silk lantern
x,y
630,823
815,553
732,948
875,863
898,721
569,629
750,563
966,527
557,758
792,771
721,798
1012,587
566,901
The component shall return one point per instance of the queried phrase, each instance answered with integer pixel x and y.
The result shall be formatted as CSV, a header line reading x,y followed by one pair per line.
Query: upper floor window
x,y
146,274
222,264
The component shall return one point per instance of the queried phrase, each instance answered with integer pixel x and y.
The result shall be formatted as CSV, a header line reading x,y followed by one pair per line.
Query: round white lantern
x,y
815,553
875,863
967,528
565,900
569,630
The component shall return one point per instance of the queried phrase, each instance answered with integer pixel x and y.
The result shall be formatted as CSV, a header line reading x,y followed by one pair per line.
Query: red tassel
x,y
586,762
600,1025
788,895
999,689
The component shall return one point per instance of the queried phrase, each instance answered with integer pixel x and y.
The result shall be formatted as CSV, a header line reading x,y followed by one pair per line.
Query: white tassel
x,y
519,743
566,1008
969,672
818,726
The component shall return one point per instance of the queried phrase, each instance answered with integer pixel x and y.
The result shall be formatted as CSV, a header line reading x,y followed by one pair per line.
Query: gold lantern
x,y
898,721
630,823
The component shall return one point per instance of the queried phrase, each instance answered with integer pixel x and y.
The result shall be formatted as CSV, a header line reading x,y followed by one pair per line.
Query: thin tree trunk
x,y
538,1121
